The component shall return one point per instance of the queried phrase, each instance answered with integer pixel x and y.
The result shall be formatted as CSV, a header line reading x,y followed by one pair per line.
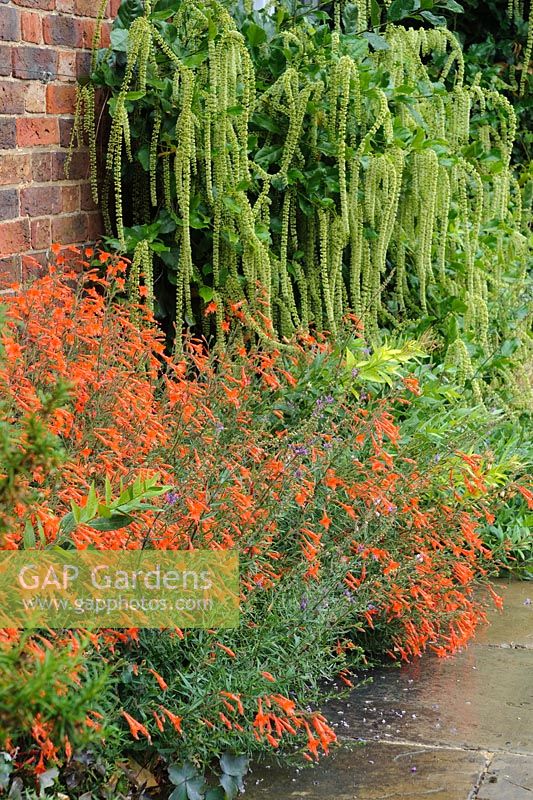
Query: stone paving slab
x,y
514,626
509,777
376,771
481,699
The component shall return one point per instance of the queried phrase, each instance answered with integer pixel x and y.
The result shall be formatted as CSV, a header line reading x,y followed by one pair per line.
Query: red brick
x,y
41,233
96,227
9,25
83,63
66,67
34,63
46,5
41,167
38,200
8,133
9,271
87,202
62,31
11,97
9,204
65,131
5,59
70,229
35,97
70,198
60,98
65,6
37,131
31,27
86,8
14,237
15,168
113,8
79,166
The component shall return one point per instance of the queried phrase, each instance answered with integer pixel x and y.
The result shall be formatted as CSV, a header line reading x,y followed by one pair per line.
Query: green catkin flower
x,y
528,50
153,158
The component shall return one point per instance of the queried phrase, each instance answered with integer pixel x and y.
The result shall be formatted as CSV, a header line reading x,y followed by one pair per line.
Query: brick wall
x,y
44,45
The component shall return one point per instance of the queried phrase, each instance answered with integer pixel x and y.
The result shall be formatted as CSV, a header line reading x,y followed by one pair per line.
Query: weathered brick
x,y
9,25
15,168
5,59
38,200
41,233
65,131
31,27
35,97
87,202
70,229
79,166
45,5
37,131
14,237
65,6
9,204
83,63
114,6
60,98
41,167
8,133
11,97
66,66
34,63
9,271
62,31
96,227
86,8
70,198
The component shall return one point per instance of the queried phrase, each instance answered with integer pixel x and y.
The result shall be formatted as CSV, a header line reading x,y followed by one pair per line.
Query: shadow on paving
x,y
445,729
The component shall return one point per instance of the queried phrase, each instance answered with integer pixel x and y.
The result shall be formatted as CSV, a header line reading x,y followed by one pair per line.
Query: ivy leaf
x,y
378,42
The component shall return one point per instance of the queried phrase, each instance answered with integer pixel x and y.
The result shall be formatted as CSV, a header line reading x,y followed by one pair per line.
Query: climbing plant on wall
x,y
289,165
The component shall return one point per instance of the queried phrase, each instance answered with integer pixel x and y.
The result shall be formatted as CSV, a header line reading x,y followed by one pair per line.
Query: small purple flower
x,y
419,557
329,399
437,458
327,445
171,498
304,602
355,372
413,769
300,450
219,427
527,601
367,351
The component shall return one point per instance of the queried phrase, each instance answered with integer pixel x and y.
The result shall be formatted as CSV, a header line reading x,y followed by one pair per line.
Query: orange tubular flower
x,y
136,727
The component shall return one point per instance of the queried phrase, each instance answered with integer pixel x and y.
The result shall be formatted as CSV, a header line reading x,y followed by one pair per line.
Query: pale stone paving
x,y
452,729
